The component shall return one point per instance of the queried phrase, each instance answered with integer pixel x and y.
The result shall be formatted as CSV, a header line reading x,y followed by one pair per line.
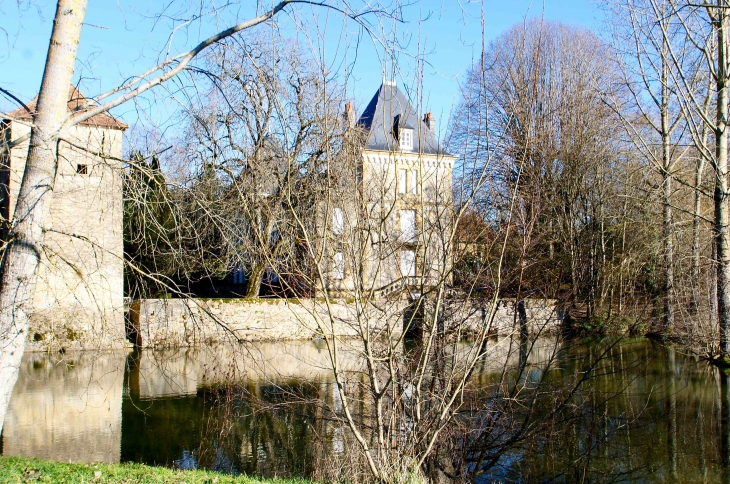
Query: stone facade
x,y
386,229
78,300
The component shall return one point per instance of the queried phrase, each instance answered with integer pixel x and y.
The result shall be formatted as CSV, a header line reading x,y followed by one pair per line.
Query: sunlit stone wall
x,y
540,316
191,322
78,300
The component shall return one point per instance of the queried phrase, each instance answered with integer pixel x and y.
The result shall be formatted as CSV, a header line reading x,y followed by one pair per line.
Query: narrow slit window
x,y
82,169
402,181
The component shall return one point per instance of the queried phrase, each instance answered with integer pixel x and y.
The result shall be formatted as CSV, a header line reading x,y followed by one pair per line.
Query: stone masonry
x,y
193,322
78,300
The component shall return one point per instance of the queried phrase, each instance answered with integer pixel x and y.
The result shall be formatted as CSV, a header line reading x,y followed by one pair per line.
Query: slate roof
x,y
75,100
389,110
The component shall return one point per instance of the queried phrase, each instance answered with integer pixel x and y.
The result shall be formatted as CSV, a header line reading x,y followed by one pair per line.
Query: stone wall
x,y
534,316
191,322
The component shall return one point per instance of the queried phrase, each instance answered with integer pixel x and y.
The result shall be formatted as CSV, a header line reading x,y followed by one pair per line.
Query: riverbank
x,y
20,470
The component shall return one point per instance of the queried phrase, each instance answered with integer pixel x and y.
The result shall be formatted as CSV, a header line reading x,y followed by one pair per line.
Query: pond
x,y
644,413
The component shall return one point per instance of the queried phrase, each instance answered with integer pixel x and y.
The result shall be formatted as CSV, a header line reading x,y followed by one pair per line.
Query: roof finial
x,y
386,82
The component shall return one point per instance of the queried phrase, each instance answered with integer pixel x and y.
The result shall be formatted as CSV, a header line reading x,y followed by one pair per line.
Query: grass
x,y
21,470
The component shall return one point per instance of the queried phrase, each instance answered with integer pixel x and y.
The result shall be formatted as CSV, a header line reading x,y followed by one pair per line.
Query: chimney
x,y
429,121
349,114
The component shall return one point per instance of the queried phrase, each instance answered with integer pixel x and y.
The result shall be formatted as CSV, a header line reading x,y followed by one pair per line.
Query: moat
x,y
647,412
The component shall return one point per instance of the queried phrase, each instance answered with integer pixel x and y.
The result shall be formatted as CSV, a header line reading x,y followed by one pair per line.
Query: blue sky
x,y
119,40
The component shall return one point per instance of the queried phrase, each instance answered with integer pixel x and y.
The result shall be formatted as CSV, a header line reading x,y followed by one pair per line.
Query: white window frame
x,y
402,181
338,221
408,224
408,263
338,266
405,139
414,182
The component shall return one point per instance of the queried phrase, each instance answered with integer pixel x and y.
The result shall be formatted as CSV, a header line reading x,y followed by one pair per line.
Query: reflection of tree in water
x,y
159,431
637,415
636,418
268,429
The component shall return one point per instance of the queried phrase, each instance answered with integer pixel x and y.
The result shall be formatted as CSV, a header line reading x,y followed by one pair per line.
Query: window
x,y
338,221
408,224
239,276
82,169
414,182
406,139
408,263
338,266
402,181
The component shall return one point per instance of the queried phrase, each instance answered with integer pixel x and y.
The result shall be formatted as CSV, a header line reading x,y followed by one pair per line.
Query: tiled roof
x,y
75,100
389,110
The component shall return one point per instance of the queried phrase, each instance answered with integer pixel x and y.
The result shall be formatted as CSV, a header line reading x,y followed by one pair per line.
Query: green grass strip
x,y
20,470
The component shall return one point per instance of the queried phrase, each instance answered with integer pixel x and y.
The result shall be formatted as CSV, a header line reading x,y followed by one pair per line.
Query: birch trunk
x,y
22,258
722,234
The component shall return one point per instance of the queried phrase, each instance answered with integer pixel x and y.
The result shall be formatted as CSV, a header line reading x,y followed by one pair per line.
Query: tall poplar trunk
x,y
695,274
722,218
32,208
668,248
668,256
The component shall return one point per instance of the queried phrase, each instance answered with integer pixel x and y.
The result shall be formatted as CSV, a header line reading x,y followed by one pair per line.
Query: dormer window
x,y
405,139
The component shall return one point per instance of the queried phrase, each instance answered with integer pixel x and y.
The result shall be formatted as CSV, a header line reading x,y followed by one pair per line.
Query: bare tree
x,y
27,235
644,34
543,85
262,128
704,27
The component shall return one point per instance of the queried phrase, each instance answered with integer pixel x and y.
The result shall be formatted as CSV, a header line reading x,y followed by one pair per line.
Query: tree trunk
x,y
695,275
22,258
253,286
668,256
668,248
722,218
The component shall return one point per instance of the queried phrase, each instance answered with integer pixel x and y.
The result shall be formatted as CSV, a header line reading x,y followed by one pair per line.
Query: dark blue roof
x,y
390,110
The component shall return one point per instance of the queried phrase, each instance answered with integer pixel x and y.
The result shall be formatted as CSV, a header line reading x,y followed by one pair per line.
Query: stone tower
x,y
78,300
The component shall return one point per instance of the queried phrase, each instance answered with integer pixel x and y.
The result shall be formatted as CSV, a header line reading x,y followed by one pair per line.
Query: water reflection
x,y
725,425
67,408
645,412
